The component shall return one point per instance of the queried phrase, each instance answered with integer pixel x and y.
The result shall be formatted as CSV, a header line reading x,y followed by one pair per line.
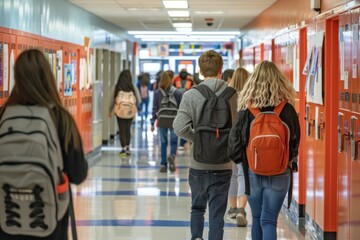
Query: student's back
x,y
209,181
35,86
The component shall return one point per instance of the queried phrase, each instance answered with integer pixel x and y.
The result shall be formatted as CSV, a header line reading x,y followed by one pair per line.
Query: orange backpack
x,y
268,147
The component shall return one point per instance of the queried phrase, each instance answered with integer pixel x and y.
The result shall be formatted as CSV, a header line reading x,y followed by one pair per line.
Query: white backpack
x,y
34,192
125,105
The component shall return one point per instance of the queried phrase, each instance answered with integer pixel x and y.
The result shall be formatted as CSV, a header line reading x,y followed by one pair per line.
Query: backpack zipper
x,y
260,136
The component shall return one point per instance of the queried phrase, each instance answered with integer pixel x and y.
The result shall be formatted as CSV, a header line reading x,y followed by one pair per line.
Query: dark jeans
x,y
208,187
124,131
266,197
164,143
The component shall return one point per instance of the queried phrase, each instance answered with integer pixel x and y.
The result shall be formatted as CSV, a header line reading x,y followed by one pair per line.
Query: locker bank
x,y
315,43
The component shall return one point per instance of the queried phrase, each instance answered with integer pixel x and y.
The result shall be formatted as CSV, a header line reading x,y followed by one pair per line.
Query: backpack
x,y
125,105
34,192
268,147
213,126
168,109
144,91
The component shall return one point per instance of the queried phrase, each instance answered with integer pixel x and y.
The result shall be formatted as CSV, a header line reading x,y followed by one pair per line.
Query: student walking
x,y
210,170
237,197
35,92
123,103
165,106
144,87
267,94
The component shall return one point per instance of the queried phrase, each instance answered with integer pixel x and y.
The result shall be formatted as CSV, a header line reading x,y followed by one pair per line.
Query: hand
x,y
152,128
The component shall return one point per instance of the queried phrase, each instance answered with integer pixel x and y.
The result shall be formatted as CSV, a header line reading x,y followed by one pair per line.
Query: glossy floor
x,y
128,198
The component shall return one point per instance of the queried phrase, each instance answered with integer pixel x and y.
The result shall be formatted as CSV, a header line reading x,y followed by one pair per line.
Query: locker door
x,y
344,121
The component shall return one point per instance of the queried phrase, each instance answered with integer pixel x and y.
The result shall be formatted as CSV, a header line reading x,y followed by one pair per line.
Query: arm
x,y
236,144
112,100
156,106
183,123
137,95
75,164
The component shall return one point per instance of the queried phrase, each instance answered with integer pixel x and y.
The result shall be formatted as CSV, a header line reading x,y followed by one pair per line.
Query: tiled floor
x,y
128,198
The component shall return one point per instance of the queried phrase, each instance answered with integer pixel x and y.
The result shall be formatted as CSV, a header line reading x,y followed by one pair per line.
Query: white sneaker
x,y
181,148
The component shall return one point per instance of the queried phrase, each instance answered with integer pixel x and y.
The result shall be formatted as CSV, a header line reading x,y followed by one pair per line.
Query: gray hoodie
x,y
189,110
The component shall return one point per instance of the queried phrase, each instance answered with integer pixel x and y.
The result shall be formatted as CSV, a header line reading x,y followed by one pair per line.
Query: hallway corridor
x,y
128,198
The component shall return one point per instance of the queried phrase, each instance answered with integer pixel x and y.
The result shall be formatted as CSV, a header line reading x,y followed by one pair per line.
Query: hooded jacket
x,y
188,113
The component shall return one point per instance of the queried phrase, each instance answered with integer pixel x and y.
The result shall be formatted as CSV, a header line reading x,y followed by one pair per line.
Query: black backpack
x,y
168,109
213,126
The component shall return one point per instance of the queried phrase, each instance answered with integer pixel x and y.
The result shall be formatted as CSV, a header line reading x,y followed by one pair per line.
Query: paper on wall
x,y
316,122
12,76
342,53
59,69
6,66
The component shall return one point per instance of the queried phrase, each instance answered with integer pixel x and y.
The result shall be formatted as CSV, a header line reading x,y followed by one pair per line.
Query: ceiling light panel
x,y
179,13
175,4
182,25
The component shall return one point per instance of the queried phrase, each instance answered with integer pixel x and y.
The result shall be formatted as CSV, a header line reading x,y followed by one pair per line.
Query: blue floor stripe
x,y
131,193
130,180
138,223
136,166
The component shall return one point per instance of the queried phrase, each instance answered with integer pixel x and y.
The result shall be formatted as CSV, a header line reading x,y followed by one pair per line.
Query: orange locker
x,y
268,49
344,121
258,54
354,161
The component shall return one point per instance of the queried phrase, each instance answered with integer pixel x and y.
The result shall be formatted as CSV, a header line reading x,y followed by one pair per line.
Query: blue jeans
x,y
144,108
164,143
266,197
208,187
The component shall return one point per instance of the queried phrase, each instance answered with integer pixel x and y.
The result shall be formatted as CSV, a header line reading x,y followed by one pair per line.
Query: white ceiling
x,y
151,15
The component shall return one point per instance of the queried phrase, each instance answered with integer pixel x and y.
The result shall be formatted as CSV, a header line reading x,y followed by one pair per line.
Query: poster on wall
x,y
296,66
11,70
82,73
314,85
73,71
59,55
342,53
67,79
6,68
1,57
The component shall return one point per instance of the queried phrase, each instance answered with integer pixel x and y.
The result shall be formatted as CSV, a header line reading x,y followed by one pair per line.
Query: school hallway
x,y
128,198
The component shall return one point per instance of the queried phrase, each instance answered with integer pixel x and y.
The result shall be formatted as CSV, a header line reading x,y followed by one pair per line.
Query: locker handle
x,y
322,125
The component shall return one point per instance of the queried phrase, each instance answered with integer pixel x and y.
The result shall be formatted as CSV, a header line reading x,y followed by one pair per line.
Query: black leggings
x,y
124,131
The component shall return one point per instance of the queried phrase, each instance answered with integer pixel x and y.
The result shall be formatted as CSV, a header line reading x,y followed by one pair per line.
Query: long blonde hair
x,y
266,86
239,78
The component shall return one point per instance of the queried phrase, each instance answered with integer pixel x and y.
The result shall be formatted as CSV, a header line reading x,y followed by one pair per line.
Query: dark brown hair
x,y
35,85
210,63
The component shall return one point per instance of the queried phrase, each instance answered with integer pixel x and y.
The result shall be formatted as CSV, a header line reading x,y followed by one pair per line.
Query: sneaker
x,y
163,168
127,152
123,153
232,212
171,161
241,218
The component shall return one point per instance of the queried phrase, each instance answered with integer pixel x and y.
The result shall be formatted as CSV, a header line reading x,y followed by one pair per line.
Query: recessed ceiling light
x,y
184,29
209,12
175,4
182,25
179,13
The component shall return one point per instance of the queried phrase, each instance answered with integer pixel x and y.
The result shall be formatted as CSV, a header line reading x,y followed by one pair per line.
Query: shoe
x,y
232,212
163,168
181,148
241,218
123,153
127,152
171,161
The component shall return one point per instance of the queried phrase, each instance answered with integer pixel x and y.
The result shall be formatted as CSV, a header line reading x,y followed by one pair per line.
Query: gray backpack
x,y
168,108
34,192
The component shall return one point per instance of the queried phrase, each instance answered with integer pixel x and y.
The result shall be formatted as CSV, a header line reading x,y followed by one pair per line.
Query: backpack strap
x,y
172,90
205,91
279,108
227,93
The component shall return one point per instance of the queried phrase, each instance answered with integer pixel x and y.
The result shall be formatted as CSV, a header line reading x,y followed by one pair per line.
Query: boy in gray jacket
x,y
209,183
